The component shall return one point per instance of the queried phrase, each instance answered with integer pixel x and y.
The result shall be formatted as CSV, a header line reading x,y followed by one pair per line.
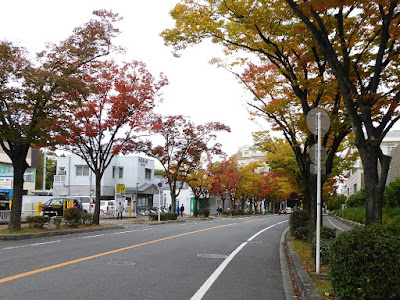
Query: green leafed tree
x,y
360,41
289,75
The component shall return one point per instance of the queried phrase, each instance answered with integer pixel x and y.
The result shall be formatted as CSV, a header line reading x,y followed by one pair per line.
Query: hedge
x,y
365,263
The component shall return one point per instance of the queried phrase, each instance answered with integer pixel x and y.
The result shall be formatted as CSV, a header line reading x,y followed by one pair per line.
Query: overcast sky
x,y
197,89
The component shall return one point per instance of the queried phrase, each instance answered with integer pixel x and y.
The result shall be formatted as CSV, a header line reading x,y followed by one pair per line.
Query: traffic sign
x,y
312,120
314,153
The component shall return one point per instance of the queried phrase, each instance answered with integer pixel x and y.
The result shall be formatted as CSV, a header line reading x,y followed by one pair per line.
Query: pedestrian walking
x,y
120,210
169,208
182,208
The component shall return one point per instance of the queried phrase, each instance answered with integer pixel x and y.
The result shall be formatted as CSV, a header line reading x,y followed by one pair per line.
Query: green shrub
x,y
356,214
57,222
73,216
226,213
357,199
206,212
37,221
391,196
365,263
163,216
336,201
299,223
87,218
326,236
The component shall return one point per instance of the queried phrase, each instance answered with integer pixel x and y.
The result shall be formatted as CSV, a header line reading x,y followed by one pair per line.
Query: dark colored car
x,y
4,201
55,206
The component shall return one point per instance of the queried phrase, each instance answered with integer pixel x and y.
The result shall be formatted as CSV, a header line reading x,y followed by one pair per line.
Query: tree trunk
x,y
18,158
173,198
96,216
16,208
375,188
196,207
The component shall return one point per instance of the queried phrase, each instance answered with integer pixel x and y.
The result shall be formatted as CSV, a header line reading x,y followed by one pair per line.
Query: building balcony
x,y
60,178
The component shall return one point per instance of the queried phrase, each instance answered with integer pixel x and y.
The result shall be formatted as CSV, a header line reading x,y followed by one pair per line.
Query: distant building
x,y
355,177
7,173
249,154
74,178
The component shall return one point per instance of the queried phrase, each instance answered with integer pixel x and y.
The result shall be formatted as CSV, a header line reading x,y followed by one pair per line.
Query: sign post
x,y
120,195
318,122
160,186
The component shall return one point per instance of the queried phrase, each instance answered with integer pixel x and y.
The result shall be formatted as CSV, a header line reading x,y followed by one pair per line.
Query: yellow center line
x,y
71,262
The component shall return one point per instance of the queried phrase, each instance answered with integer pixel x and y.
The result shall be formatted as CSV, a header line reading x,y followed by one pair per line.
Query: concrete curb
x,y
303,280
348,222
285,270
56,233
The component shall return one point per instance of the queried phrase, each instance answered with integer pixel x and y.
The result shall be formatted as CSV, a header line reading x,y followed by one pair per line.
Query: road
x,y
225,258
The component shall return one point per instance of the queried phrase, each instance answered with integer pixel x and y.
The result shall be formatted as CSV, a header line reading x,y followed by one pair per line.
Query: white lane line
x,y
341,229
214,276
31,245
45,243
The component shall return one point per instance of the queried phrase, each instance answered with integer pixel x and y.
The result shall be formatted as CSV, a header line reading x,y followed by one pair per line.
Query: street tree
x,y
289,78
360,41
225,179
31,91
254,186
281,161
200,182
184,145
110,117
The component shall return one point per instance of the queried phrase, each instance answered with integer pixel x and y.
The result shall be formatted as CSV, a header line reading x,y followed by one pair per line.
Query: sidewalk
x,y
302,281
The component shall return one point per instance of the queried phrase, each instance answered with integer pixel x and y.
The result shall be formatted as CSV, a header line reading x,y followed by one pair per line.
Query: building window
x,y
114,171
147,173
82,170
390,148
120,172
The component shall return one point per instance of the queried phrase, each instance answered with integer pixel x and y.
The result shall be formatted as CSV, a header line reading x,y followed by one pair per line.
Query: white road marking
x,y
79,238
214,276
341,229
31,245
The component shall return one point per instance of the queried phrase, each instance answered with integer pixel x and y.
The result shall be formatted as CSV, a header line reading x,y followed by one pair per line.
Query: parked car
x,y
282,211
288,210
55,206
87,205
4,201
107,207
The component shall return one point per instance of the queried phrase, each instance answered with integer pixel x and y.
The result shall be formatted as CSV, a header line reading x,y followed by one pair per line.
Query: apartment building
x,y
355,177
74,178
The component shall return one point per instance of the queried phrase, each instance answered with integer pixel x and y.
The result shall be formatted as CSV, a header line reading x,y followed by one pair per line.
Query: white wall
x,y
133,173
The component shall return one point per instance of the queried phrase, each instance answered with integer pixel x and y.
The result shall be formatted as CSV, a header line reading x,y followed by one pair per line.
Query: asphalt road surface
x,y
225,258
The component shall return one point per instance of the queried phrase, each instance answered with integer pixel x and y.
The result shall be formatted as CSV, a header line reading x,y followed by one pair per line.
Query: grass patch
x,y
323,286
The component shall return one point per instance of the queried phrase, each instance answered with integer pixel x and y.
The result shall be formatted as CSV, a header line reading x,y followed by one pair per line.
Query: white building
x,y
249,154
74,178
355,176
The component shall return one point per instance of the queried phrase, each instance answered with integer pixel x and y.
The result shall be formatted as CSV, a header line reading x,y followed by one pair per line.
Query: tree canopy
x,y
32,91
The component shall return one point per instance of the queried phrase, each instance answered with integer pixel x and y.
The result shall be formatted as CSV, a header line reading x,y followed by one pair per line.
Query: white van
x,y
107,207
87,205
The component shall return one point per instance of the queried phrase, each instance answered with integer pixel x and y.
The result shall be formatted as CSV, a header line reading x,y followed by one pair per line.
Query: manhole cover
x,y
218,256
121,263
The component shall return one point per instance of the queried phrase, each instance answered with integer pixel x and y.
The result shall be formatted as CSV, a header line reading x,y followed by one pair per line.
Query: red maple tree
x,y
184,145
109,118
